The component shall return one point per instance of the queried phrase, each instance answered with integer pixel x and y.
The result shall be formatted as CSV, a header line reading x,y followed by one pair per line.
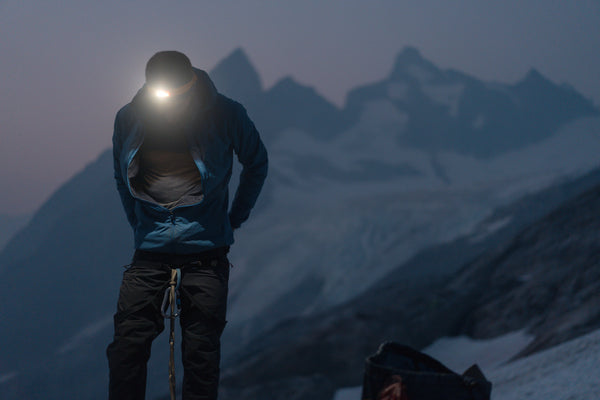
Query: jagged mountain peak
x,y
539,93
409,53
288,86
410,63
236,76
535,77
293,104
238,57
287,80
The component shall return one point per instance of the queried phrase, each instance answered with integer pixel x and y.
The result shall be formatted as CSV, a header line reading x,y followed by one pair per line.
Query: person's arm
x,y
126,197
252,154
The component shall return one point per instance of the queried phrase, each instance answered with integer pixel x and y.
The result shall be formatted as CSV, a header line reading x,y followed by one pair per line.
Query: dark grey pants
x,y
138,321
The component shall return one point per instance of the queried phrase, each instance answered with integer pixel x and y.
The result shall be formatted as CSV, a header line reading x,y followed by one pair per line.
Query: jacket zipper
x,y
172,217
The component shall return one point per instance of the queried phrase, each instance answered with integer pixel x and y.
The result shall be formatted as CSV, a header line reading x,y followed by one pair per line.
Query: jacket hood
x,y
206,90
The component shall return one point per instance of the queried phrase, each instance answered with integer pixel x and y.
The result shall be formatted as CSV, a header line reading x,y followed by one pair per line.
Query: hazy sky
x,y
67,66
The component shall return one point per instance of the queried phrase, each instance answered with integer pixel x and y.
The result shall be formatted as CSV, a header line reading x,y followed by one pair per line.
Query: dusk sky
x,y
67,67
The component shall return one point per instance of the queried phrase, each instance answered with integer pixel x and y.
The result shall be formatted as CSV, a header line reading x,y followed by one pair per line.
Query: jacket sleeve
x,y
126,197
252,154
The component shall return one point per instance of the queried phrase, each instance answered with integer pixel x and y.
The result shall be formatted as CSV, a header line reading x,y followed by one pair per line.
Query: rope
x,y
170,309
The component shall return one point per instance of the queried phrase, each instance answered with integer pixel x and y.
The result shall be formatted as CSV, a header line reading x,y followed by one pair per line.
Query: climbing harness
x,y
171,307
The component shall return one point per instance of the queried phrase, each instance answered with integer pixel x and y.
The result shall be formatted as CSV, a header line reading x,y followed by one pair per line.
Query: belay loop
x,y
171,308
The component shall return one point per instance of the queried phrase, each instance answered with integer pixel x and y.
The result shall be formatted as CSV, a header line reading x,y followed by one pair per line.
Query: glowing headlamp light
x,y
162,93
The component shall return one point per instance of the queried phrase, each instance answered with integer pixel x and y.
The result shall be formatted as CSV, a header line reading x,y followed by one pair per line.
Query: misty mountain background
x,y
411,194
11,224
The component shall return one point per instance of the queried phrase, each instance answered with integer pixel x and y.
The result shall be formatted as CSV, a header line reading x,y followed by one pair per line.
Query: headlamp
x,y
162,93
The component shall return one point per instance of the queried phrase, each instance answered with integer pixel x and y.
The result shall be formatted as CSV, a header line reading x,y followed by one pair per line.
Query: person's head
x,y
170,78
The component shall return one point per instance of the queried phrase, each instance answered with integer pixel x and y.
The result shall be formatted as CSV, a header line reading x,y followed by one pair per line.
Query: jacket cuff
x,y
234,222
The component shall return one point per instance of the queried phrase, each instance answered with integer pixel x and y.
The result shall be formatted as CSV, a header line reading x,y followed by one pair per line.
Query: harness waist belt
x,y
153,256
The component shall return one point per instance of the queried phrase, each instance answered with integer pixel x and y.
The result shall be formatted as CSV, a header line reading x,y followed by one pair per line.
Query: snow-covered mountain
x,y
450,110
345,203
357,215
528,268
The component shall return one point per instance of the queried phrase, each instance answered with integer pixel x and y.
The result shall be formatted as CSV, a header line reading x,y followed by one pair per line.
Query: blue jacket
x,y
222,126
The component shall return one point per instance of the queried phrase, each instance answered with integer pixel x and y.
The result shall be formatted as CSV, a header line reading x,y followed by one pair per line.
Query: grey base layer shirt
x,y
167,172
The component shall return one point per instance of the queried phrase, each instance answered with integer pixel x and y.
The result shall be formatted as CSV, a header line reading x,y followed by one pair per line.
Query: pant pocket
x,y
206,290
141,285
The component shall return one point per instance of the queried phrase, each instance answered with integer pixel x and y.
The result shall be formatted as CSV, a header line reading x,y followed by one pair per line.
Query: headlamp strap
x,y
182,89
